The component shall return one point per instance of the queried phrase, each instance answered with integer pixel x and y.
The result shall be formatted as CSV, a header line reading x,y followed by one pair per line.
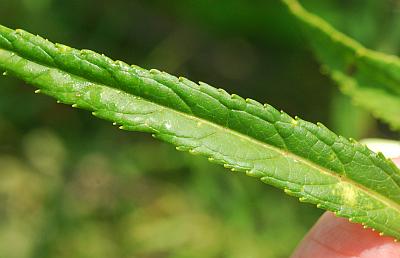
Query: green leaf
x,y
306,160
371,78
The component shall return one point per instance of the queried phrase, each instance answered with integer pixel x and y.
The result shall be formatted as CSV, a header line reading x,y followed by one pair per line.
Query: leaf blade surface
x,y
306,160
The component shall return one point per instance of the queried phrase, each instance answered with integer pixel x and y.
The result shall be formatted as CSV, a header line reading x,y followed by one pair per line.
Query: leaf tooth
x,y
344,139
121,63
319,205
115,123
339,213
383,157
37,91
288,191
74,105
154,71
62,47
193,151
84,52
5,73
381,233
188,83
181,148
255,173
352,140
303,199
227,165
19,31
237,97
253,102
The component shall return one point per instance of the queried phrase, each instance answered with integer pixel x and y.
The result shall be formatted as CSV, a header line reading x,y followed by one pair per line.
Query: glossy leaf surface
x,y
306,160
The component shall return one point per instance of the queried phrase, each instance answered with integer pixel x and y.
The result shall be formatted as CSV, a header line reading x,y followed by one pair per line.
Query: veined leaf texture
x,y
306,160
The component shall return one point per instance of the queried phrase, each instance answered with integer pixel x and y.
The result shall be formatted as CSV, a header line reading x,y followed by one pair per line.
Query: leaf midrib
x,y
375,195
368,191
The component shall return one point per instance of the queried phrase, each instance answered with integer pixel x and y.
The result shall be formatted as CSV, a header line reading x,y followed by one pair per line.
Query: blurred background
x,y
75,186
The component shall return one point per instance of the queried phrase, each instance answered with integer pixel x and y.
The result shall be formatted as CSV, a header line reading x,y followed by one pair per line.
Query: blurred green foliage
x,y
74,186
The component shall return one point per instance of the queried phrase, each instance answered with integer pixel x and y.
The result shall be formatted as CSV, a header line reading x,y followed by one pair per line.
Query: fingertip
x,y
397,161
337,237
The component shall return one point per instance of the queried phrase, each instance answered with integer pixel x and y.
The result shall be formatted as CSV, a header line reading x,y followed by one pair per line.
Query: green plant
x,y
369,77
306,160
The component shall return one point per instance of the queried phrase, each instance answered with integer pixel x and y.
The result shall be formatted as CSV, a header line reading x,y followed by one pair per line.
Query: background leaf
x,y
371,78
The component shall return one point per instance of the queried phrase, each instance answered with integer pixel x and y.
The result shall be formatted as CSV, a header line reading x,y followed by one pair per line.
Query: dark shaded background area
x,y
75,186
